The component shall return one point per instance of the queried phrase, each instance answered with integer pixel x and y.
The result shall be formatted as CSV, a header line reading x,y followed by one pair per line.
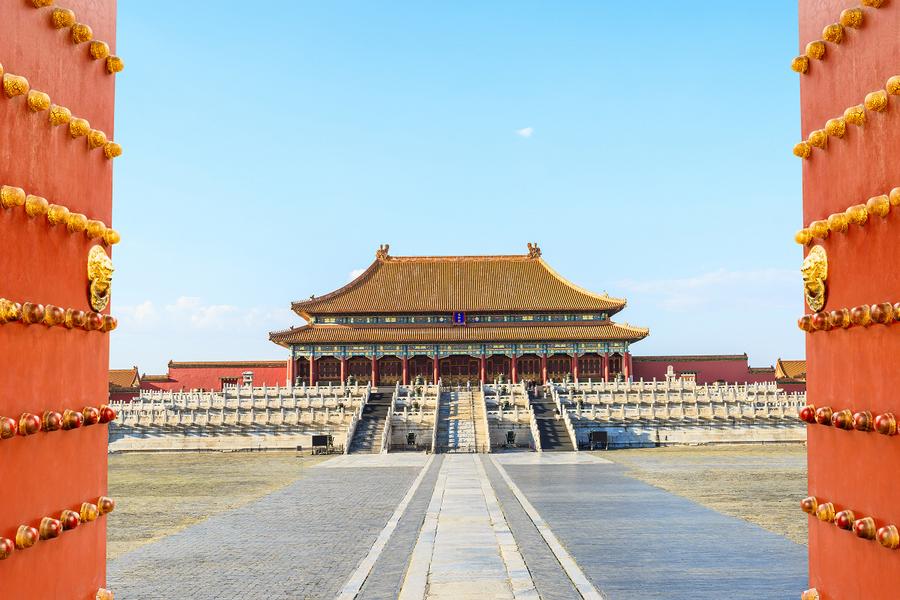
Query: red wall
x,y
210,378
122,396
53,368
792,387
853,368
730,370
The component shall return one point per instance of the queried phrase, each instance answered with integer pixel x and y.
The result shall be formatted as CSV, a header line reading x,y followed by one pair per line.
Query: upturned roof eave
x,y
281,337
313,306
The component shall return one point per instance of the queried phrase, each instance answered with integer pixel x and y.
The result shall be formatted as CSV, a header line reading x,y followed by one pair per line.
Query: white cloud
x,y
525,132
722,311
355,273
190,328
212,316
719,287
183,304
145,312
188,312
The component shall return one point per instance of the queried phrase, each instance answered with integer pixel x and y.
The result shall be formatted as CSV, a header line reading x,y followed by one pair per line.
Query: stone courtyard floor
x,y
518,525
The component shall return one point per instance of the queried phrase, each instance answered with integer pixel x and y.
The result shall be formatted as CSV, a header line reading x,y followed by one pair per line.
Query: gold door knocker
x,y
99,270
815,272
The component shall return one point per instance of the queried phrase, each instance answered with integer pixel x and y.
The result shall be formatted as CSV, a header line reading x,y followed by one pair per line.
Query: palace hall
x,y
459,319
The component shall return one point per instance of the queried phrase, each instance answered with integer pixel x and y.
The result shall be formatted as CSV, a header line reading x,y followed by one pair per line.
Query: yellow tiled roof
x,y
401,334
124,378
433,284
790,369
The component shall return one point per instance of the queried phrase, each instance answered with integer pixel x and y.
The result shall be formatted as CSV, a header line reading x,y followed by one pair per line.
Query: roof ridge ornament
x,y
534,251
382,252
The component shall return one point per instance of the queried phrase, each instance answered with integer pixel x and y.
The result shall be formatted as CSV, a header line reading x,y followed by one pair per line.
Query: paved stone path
x,y
301,542
387,575
636,541
465,549
550,579
466,526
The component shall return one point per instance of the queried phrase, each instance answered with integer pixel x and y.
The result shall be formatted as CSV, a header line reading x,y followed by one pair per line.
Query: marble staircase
x,y
369,430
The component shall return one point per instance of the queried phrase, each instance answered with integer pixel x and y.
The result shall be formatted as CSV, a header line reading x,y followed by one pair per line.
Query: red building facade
x,y
57,115
215,375
712,368
124,384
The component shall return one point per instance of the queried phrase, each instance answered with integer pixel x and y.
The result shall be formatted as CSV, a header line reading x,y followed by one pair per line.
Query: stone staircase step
x,y
369,429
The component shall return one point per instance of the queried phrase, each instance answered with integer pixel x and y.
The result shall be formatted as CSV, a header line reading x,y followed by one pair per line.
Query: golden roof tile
x,y
435,284
124,378
790,369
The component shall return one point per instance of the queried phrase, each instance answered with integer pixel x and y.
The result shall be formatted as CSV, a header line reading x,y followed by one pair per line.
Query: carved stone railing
x,y
535,432
677,400
484,416
437,420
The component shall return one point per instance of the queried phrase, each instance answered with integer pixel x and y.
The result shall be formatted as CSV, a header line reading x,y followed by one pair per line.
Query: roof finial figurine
x,y
534,251
382,252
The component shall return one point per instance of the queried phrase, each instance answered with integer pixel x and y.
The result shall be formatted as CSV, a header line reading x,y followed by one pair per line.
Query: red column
x,y
405,362
514,363
343,369
483,369
436,371
606,366
544,368
374,371
312,370
626,365
575,367
290,370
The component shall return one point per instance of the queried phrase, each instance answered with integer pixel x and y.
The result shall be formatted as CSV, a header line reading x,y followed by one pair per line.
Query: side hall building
x,y
459,319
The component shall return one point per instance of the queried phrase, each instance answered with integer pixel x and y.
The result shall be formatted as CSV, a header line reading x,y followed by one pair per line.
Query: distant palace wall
x,y
211,376
712,368
706,369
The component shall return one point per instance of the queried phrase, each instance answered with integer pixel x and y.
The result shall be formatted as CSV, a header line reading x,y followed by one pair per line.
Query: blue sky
x,y
269,149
